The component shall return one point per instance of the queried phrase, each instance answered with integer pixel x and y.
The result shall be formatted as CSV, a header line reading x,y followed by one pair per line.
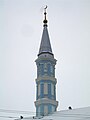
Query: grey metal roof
x,y
45,46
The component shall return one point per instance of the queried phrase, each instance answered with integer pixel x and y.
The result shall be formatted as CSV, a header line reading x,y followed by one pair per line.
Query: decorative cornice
x,y
46,101
48,78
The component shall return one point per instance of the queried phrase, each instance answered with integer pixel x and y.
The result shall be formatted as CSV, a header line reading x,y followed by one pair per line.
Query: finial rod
x,y
45,20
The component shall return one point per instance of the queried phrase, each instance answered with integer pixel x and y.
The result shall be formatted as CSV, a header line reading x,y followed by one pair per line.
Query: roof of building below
x,y
74,114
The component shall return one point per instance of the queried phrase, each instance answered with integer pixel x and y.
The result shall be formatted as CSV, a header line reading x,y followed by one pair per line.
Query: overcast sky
x,y
21,26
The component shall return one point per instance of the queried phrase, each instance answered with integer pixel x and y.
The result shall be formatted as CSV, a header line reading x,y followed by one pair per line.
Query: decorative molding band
x,y
46,101
46,78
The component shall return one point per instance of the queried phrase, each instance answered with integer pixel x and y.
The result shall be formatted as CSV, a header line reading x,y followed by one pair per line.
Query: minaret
x,y
46,82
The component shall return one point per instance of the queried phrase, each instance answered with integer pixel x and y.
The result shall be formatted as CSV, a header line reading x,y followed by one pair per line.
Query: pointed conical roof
x,y
45,46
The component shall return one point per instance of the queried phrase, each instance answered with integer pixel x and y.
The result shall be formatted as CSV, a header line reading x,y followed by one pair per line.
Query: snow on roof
x,y
74,114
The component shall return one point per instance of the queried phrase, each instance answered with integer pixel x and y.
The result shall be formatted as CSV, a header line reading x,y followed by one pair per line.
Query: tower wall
x,y
46,85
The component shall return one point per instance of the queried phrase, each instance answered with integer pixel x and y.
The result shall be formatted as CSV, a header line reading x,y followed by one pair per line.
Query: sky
x,y
21,26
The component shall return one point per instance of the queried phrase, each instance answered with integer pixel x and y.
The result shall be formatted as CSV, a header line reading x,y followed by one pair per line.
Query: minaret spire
x,y
45,46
